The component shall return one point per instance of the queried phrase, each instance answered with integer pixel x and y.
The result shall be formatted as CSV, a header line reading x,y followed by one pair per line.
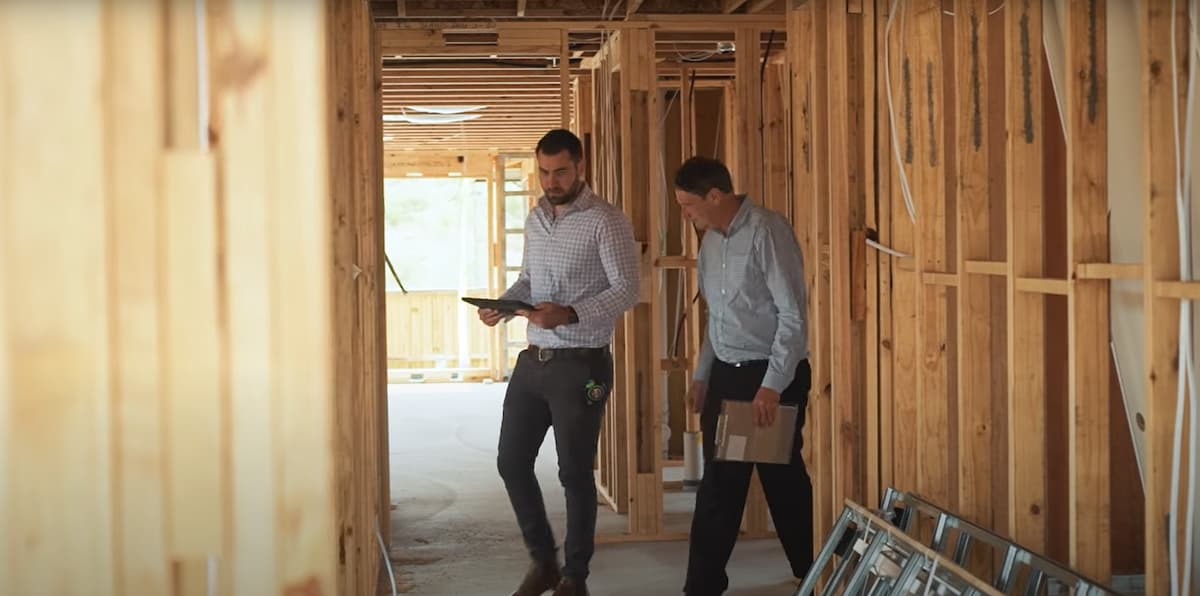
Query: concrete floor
x,y
453,531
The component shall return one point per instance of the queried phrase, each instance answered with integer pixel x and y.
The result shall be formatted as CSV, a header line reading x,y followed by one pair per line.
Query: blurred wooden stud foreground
x,y
172,416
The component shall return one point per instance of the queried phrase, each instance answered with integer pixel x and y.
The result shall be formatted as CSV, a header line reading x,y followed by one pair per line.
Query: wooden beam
x,y
401,8
675,262
643,339
1161,244
564,73
757,6
1037,285
804,22
1026,311
748,143
1179,290
846,419
521,8
976,430
982,267
632,7
925,75
1109,271
864,260
818,270
658,22
1088,397
56,388
729,6
884,172
136,106
935,278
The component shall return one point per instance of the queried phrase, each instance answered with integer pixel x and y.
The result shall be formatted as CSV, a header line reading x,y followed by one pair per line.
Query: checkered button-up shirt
x,y
585,258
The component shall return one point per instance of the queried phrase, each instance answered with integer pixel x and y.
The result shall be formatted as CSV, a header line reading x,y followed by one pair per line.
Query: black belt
x,y
548,354
744,363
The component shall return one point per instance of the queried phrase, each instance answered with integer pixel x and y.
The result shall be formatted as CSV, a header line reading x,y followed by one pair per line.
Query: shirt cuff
x,y
776,381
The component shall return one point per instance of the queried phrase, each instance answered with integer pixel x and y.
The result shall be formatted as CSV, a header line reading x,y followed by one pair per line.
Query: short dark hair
x,y
559,140
699,175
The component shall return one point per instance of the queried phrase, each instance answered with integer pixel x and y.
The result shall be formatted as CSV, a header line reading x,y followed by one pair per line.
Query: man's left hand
x,y
547,315
766,403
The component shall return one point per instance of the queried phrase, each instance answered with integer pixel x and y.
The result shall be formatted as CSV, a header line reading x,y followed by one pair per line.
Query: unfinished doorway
x,y
453,227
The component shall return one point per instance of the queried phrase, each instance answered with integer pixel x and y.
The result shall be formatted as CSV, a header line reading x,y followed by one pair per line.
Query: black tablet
x,y
504,306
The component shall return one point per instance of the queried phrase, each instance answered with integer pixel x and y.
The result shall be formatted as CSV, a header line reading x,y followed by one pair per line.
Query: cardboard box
x,y
740,439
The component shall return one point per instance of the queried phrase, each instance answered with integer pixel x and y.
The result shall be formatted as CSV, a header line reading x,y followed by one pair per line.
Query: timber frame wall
x,y
191,364
190,352
975,370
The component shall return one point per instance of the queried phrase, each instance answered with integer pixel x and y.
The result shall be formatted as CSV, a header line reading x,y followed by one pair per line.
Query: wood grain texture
x,y
165,392
886,262
1026,345
56,435
1088,302
973,81
802,39
301,332
820,400
1161,262
137,106
905,281
928,184
845,425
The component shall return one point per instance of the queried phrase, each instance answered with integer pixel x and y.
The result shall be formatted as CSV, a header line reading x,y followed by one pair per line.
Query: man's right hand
x,y
696,395
490,317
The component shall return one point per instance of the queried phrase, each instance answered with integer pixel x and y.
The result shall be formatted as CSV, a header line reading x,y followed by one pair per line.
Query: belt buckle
x,y
545,354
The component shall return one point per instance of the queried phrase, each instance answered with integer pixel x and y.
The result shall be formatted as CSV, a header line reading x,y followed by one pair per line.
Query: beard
x,y
566,197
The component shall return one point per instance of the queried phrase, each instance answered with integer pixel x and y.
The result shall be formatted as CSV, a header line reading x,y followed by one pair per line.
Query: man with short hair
x,y
755,350
580,271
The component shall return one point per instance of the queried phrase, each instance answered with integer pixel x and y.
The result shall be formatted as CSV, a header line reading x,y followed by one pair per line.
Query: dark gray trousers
x,y
555,394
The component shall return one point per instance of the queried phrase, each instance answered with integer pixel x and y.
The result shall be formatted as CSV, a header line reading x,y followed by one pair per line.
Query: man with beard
x,y
580,271
755,350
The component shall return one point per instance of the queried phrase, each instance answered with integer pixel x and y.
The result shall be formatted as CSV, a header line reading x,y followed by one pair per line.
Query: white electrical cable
x,y
1187,373
1185,318
890,251
1172,547
887,75
990,12
387,561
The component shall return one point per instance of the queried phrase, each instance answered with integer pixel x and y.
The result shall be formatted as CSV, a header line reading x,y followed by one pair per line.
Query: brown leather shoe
x,y
542,576
571,586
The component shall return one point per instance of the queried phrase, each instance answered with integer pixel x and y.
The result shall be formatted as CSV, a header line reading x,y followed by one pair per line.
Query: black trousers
x,y
561,394
721,498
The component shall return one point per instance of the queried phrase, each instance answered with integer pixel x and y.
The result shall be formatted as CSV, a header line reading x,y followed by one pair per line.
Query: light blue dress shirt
x,y
753,282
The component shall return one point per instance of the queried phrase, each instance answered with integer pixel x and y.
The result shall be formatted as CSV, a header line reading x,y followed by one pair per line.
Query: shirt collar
x,y
743,212
586,200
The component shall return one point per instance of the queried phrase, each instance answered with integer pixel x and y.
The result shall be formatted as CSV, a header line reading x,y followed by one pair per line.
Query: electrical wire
x,y
1187,373
387,561
1186,273
890,251
990,12
887,74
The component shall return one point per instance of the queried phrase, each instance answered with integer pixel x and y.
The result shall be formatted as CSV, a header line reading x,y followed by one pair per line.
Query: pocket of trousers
x,y
598,386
